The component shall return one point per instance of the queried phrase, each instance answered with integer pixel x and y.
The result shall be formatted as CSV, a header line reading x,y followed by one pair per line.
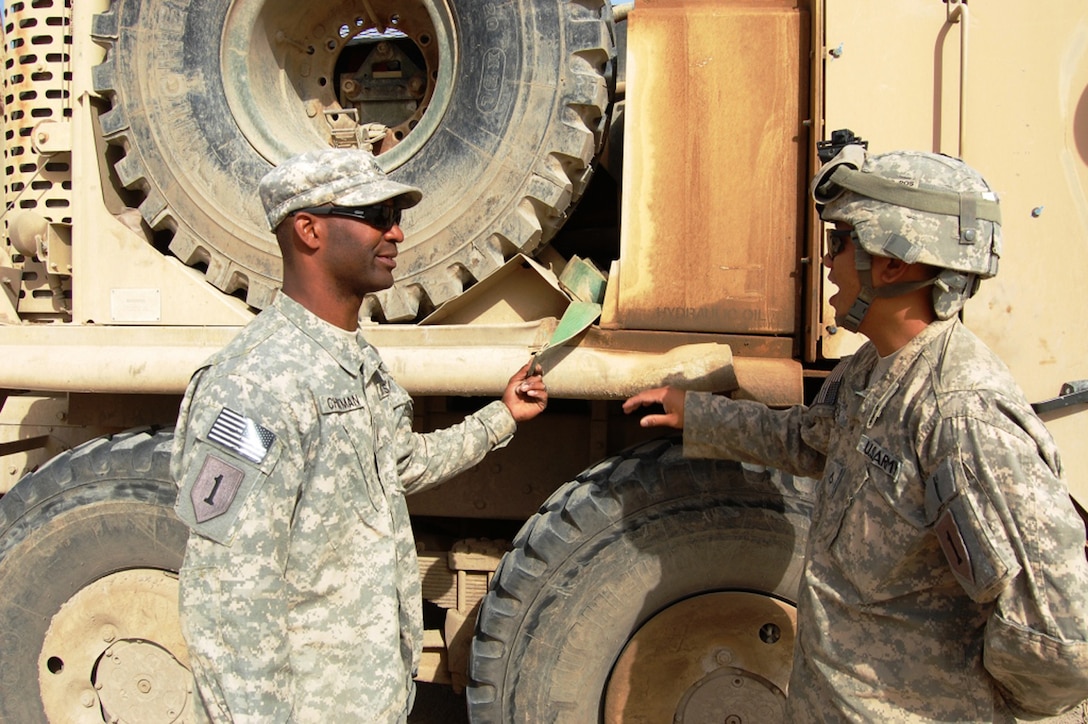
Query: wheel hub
x,y
139,681
116,645
733,696
718,657
345,72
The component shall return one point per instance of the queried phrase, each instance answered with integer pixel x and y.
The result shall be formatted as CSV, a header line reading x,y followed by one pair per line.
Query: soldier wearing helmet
x,y
945,576
917,208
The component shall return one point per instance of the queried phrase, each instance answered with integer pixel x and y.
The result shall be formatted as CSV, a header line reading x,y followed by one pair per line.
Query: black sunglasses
x,y
836,240
382,217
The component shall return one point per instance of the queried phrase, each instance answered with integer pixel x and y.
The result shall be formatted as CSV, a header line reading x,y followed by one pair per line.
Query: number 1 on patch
x,y
215,488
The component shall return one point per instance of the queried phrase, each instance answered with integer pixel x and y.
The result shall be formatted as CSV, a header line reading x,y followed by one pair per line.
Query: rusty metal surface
x,y
714,166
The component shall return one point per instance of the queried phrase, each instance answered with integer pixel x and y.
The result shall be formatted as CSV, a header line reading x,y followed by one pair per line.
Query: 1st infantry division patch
x,y
215,488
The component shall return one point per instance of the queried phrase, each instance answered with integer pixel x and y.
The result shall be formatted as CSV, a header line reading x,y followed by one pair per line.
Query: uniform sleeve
x,y
238,481
793,440
427,459
1010,534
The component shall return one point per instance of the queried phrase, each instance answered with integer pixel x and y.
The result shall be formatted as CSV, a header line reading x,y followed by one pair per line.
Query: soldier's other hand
x,y
670,398
526,395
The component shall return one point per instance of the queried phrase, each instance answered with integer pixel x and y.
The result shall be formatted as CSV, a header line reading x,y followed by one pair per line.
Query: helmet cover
x,y
918,207
966,241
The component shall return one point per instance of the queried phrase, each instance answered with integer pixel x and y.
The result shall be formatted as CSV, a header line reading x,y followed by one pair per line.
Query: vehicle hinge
x,y
1071,393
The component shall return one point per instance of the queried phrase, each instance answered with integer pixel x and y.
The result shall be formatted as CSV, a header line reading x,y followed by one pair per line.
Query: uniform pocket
x,y
881,545
354,469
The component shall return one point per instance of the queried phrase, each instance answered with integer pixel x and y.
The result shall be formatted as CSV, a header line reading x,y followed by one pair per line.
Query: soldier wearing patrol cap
x,y
294,450
945,576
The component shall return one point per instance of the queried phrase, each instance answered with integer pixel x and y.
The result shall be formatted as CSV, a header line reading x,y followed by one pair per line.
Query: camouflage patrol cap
x,y
337,176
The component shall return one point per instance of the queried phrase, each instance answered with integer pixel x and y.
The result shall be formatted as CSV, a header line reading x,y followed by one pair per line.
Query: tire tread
x,y
577,514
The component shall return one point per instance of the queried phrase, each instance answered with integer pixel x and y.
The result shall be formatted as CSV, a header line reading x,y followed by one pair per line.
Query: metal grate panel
x,y
37,85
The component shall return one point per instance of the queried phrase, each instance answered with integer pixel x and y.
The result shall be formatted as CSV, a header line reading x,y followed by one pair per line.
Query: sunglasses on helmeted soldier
x,y
836,240
382,217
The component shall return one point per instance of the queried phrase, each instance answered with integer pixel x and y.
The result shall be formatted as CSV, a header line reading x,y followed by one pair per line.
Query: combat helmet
x,y
918,207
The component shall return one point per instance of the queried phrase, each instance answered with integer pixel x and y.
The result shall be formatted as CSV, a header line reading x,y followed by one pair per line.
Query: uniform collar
x,y
346,349
881,390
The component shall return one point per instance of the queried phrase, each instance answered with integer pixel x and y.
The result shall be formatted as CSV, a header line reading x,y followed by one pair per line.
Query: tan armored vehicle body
x,y
624,192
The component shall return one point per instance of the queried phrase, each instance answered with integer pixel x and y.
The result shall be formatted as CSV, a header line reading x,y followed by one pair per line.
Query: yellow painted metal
x,y
89,358
436,360
716,657
37,85
121,279
521,290
76,253
34,429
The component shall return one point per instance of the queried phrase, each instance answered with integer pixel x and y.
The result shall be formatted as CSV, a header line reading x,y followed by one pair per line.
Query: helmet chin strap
x,y
863,262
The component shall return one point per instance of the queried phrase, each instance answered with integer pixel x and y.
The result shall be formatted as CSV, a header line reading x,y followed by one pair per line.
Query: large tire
x,y
89,550
206,95
640,549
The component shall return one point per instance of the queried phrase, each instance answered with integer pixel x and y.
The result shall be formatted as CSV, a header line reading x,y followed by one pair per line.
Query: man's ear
x,y
888,270
309,231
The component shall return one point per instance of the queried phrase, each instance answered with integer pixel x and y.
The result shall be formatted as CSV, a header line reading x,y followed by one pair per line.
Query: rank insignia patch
x,y
241,435
215,488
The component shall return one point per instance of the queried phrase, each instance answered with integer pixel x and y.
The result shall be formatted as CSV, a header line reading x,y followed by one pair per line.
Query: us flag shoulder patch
x,y
239,434
829,391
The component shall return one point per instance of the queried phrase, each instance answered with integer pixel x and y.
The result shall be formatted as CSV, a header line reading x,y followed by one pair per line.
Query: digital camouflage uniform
x,y
945,561
300,591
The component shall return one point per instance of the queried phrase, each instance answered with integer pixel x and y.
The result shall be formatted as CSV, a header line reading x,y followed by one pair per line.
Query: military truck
x,y
617,190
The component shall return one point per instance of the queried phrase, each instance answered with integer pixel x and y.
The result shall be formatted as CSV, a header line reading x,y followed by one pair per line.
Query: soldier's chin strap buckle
x,y
851,321
863,262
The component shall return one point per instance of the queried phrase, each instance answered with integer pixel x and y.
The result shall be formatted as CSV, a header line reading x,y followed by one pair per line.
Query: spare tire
x,y
498,112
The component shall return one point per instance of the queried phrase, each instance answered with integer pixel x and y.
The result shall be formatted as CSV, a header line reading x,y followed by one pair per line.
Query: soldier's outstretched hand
x,y
526,395
670,398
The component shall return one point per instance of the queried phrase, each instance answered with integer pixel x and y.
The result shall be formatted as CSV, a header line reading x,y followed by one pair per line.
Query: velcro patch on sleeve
x,y
955,550
241,435
978,552
215,488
